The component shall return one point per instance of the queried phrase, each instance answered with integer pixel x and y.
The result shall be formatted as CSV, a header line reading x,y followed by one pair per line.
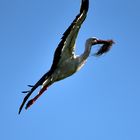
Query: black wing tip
x,y
24,100
19,112
25,91
84,6
20,109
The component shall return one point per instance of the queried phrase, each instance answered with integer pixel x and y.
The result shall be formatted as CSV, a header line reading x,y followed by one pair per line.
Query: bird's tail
x,y
106,46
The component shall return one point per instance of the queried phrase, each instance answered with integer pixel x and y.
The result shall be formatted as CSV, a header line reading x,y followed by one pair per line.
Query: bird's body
x,y
65,62
66,69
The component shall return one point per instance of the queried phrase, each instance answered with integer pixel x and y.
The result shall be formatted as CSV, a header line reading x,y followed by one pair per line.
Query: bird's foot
x,y
29,103
35,98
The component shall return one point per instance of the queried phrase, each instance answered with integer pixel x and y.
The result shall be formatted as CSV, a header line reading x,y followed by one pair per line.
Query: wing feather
x,y
67,43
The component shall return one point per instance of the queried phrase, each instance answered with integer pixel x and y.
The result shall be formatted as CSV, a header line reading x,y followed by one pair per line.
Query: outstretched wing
x,y
67,44
40,82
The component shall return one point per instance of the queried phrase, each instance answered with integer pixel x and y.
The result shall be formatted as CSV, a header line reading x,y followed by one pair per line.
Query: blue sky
x,y
100,102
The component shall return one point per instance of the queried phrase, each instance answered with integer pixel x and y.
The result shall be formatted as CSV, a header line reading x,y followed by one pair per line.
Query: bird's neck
x,y
87,51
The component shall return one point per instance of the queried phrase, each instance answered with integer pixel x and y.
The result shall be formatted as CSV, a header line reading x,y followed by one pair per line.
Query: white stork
x,y
65,62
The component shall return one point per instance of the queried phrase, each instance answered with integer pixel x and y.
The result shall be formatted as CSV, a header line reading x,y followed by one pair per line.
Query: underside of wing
x,y
67,44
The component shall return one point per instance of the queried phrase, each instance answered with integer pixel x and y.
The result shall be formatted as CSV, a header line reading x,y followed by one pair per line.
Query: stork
x,y
65,62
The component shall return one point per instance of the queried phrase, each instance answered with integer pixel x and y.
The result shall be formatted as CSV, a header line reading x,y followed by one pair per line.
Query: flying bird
x,y
65,62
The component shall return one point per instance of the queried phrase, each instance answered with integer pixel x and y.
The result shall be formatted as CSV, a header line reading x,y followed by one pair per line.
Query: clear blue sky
x,y
100,102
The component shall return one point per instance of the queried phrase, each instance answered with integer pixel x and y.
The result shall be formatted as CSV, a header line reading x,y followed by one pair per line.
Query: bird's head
x,y
105,45
92,41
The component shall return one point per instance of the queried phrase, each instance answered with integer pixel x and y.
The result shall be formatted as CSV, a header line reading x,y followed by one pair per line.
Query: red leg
x,y
35,98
